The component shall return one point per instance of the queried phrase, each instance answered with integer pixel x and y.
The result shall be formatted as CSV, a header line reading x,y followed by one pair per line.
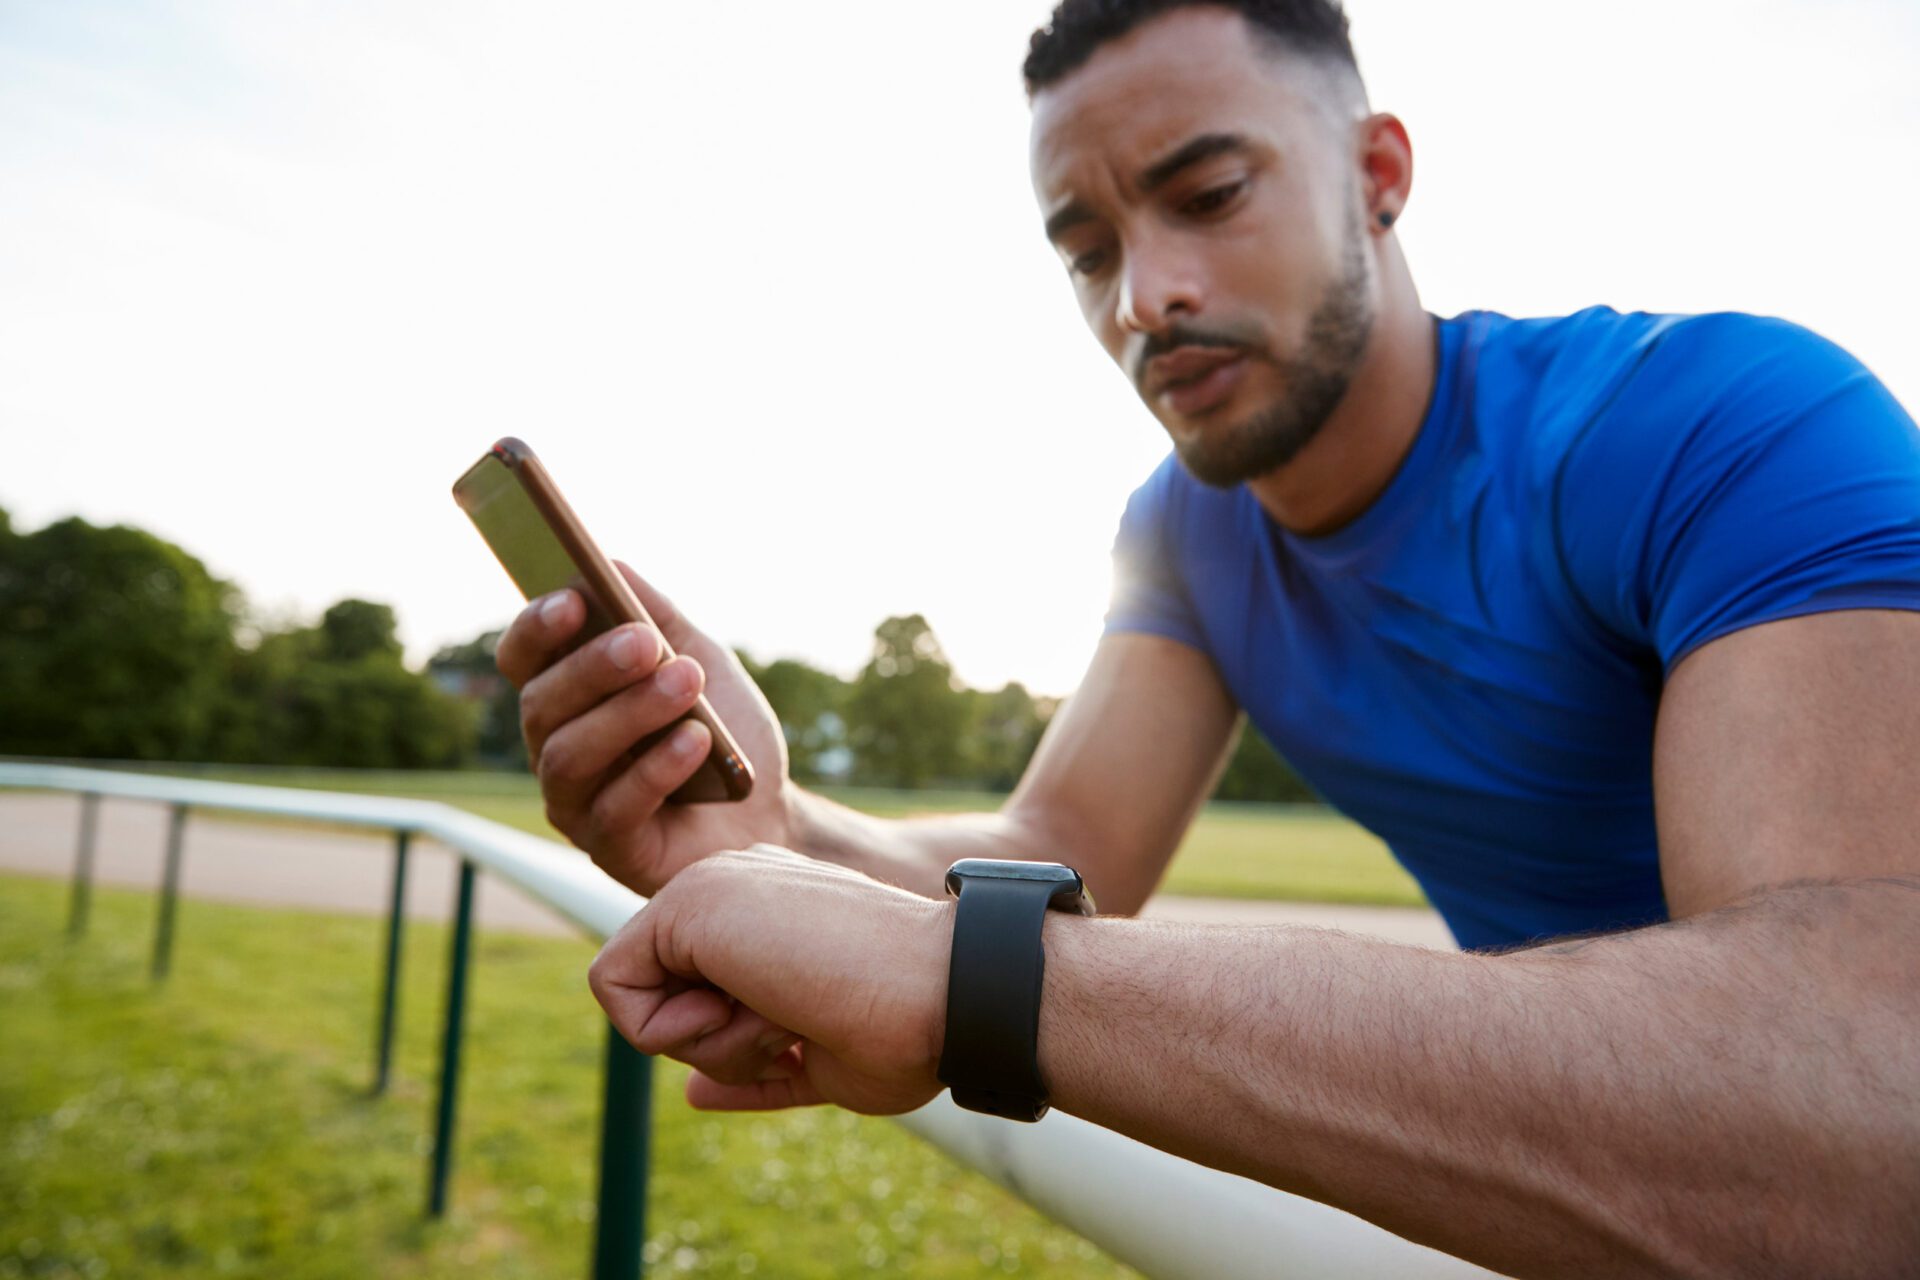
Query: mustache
x,y
1176,336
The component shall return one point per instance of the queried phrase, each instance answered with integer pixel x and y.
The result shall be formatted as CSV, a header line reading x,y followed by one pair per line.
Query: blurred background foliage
x,y
116,644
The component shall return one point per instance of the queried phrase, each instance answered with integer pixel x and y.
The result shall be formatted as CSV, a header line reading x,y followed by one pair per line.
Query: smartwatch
x,y
990,1060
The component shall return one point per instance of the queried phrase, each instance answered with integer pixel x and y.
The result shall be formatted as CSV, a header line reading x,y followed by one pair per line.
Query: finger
x,y
539,634
574,759
707,1094
634,794
580,681
628,978
684,1019
746,1049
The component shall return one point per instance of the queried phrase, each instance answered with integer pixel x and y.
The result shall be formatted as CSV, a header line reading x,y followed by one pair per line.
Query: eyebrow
x,y
1156,175
1205,147
1070,215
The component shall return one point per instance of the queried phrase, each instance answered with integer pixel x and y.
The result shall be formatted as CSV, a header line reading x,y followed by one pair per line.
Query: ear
x,y
1386,169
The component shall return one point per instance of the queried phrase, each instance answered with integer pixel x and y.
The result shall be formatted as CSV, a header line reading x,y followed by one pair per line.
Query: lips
x,y
1192,380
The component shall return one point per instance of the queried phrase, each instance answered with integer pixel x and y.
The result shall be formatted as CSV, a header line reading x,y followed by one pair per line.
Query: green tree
x,y
357,629
114,644
905,716
810,704
338,694
467,672
1003,729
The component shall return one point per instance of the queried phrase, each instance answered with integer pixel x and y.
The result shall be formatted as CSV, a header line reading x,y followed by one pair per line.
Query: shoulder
x,y
1728,359
1561,372
1600,396
1701,390
1741,465
1559,363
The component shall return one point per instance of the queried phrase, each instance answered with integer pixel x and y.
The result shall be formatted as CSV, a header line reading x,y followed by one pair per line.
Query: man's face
x,y
1205,199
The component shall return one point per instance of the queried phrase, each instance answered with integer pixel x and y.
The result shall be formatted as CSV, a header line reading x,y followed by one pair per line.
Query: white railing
x,y
1165,1216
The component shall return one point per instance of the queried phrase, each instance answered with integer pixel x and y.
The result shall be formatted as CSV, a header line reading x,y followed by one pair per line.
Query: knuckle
x,y
561,760
533,713
713,867
610,809
520,656
602,813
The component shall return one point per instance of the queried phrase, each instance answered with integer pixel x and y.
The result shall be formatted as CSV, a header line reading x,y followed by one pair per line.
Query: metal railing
x,y
1164,1216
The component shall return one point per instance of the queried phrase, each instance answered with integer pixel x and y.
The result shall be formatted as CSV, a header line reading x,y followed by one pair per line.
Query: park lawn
x,y
220,1124
1275,852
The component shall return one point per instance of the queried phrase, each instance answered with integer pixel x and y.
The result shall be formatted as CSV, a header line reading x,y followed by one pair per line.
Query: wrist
x,y
1068,1004
990,1058
794,812
936,960
878,847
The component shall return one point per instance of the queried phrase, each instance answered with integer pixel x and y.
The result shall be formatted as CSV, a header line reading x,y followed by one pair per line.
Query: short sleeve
x,y
1747,471
1149,594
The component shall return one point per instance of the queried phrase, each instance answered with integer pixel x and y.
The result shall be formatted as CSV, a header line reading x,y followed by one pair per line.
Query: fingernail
x,y
550,607
676,679
773,1040
686,739
626,649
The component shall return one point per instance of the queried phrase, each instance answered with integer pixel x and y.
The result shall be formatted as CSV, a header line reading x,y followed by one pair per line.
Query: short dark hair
x,y
1314,28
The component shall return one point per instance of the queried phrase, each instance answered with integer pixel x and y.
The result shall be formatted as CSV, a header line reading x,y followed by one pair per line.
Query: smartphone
x,y
514,503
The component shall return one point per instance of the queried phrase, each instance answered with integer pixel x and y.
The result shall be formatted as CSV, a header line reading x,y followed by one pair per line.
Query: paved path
x,y
325,870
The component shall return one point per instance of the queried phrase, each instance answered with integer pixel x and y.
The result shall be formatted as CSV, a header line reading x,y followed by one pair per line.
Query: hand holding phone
x,y
606,703
544,548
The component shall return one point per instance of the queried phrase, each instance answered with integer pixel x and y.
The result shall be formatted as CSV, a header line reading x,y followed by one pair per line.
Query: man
x,y
1604,623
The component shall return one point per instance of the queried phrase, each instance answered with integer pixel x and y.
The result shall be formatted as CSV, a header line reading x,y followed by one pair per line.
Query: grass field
x,y
219,1125
1234,850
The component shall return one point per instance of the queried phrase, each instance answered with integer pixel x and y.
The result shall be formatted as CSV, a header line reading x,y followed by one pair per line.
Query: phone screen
x,y
499,506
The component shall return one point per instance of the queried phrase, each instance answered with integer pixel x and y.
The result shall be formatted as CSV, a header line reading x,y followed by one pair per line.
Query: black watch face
x,y
993,869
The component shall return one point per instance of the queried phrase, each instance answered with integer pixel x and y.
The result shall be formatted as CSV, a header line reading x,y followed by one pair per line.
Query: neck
x,y
1355,454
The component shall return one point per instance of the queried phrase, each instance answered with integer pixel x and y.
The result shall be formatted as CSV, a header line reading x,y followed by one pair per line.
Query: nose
x,y
1156,285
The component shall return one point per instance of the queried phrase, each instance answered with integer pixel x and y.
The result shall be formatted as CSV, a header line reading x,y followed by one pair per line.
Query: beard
x,y
1313,381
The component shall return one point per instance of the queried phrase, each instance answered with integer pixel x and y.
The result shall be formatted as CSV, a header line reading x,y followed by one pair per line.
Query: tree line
x,y
116,644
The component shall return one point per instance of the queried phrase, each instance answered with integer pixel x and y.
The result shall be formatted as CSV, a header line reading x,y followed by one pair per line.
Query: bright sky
x,y
764,282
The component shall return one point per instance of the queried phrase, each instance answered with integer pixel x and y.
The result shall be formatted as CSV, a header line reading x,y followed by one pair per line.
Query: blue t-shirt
x,y
1470,669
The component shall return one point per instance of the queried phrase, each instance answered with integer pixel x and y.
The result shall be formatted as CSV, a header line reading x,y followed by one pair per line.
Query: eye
x,y
1214,199
1088,263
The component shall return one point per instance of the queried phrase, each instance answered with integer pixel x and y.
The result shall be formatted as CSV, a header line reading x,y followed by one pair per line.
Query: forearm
x,y
913,853
1120,870
1734,1095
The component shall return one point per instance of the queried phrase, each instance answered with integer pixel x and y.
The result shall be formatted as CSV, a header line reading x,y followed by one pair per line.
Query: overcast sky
x,y
764,283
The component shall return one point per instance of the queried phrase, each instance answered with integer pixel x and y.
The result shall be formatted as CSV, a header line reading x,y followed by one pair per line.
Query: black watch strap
x,y
990,1056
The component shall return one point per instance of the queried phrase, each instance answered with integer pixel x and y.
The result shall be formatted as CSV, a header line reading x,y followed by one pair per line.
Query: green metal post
x,y
390,999
625,1131
83,865
450,1043
169,893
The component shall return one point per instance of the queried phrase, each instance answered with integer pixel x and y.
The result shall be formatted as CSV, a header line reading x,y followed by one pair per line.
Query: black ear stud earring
x,y
1386,219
